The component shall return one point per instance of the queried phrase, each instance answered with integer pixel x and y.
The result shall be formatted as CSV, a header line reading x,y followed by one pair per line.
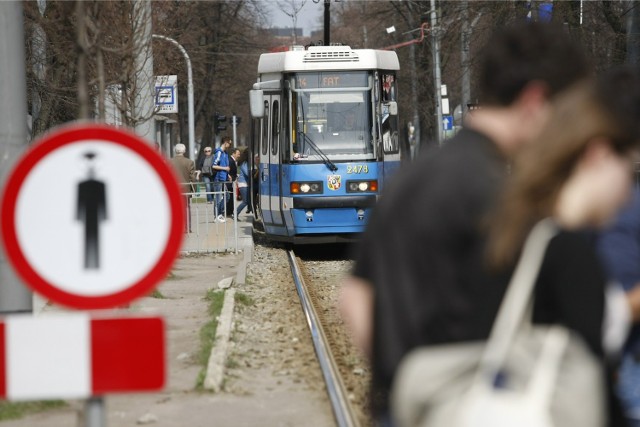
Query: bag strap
x,y
512,315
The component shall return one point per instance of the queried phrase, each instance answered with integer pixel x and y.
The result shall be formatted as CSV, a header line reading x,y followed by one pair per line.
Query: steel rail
x,y
335,388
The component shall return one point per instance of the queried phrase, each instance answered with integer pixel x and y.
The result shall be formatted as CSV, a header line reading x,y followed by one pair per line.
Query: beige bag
x,y
525,375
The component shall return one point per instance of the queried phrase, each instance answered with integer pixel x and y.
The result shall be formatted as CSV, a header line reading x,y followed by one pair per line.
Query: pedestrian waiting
x,y
206,172
185,170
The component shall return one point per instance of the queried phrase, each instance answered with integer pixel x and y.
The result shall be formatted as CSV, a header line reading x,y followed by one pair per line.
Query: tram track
x,y
329,346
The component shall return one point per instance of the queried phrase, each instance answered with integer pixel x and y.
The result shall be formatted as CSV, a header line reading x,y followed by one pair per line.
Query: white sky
x,y
309,17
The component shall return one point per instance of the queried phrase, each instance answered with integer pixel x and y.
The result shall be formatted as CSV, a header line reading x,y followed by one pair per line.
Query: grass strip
x,y
208,332
16,410
243,299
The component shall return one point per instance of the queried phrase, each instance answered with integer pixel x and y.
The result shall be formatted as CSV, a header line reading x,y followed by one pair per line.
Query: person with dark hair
x,y
234,155
579,173
255,186
244,178
418,277
221,167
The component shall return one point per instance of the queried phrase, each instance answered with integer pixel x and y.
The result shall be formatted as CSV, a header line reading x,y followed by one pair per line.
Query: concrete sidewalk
x,y
179,404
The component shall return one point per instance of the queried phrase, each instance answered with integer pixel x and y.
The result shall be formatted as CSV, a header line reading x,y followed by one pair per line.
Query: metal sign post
x,y
94,412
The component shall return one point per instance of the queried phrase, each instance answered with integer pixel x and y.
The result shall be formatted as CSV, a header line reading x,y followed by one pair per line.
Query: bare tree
x,y
292,8
601,31
78,53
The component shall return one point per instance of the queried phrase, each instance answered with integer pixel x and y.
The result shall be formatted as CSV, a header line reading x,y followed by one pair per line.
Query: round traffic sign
x,y
92,216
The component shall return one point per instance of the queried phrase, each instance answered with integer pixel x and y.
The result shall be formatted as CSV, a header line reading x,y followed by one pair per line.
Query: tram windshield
x,y
333,116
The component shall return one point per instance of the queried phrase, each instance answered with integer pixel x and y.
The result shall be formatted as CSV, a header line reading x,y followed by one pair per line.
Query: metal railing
x,y
204,233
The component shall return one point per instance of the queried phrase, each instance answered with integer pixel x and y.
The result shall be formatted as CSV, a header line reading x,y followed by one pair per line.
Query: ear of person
x,y
534,95
597,150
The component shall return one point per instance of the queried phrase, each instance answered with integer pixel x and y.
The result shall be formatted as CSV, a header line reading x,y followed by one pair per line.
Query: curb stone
x,y
217,358
216,364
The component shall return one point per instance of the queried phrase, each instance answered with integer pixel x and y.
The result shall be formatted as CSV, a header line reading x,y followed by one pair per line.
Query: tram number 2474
x,y
358,169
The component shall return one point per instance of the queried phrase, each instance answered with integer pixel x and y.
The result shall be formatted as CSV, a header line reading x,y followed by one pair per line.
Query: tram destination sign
x,y
331,79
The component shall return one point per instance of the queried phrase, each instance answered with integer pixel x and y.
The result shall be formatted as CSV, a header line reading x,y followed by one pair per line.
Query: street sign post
x,y
92,217
166,98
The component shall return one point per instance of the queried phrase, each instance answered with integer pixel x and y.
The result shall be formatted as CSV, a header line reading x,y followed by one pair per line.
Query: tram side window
x,y
275,128
388,87
265,129
389,122
286,146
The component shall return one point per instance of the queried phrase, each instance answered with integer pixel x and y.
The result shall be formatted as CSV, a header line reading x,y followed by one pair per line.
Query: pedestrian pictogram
x,y
91,211
92,217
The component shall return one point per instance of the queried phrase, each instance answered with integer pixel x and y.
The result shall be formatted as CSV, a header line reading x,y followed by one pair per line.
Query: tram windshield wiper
x,y
332,167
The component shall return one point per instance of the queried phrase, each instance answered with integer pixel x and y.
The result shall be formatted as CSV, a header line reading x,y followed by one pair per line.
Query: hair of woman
x,y
609,108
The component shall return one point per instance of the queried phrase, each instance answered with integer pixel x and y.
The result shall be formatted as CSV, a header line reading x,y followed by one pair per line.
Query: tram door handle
x,y
263,176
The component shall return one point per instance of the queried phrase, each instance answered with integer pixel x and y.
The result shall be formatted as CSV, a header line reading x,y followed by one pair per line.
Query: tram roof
x,y
318,58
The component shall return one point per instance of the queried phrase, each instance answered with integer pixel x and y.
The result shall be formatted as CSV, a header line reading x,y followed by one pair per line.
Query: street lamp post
x,y
189,92
435,37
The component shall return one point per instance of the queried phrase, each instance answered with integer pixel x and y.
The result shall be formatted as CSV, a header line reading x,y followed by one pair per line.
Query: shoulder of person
x,y
573,247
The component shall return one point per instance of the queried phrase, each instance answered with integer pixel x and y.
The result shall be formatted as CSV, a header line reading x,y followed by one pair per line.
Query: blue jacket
x,y
243,176
619,249
221,158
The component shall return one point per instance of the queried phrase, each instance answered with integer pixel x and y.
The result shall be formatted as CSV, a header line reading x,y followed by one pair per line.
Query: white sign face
x,y
166,98
92,217
54,218
445,106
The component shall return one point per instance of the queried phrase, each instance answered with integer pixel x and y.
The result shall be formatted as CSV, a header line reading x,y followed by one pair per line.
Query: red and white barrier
x,y
74,356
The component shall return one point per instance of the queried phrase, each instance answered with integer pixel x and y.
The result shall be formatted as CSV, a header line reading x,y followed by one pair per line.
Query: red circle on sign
x,y
78,133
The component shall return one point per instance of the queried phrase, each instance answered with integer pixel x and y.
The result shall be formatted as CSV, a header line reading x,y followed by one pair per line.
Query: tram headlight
x,y
362,186
310,187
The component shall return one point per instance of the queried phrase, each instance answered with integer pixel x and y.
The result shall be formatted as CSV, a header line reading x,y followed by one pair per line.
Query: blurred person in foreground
x,y
579,173
619,250
418,277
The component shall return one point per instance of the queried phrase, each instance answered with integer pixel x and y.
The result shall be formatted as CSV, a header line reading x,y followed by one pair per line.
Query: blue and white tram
x,y
326,131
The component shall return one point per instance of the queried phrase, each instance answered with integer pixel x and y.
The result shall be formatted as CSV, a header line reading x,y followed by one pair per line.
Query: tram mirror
x,y
393,108
256,103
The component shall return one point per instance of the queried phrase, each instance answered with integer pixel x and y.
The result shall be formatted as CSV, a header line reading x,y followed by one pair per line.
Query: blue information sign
x,y
447,122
